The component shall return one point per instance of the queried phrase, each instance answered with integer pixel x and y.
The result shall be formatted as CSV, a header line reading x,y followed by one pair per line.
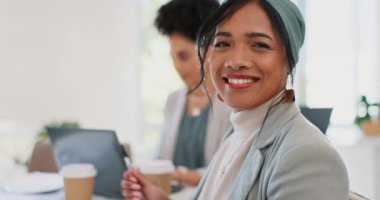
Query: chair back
x,y
42,159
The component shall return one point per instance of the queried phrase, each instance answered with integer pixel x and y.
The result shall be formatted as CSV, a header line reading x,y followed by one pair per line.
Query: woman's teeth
x,y
240,81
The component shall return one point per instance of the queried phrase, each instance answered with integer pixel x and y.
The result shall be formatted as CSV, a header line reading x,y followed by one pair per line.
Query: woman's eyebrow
x,y
250,35
256,34
225,34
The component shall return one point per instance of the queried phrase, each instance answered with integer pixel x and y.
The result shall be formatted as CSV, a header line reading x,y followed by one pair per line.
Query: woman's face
x,y
185,59
248,60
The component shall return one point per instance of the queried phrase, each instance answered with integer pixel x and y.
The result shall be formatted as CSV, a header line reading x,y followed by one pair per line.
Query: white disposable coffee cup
x,y
159,171
79,180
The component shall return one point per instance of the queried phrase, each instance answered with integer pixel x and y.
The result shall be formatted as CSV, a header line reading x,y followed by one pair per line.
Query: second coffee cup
x,y
79,180
159,172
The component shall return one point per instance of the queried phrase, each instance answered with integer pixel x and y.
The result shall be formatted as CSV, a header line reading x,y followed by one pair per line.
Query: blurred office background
x,y
101,63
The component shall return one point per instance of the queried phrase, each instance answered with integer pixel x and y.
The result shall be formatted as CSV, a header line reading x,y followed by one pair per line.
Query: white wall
x,y
70,60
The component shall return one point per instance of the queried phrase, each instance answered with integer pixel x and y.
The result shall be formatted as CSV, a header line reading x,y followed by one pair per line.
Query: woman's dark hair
x,y
184,16
207,31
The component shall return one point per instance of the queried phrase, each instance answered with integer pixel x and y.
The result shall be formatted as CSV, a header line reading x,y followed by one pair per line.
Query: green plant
x,y
43,134
365,111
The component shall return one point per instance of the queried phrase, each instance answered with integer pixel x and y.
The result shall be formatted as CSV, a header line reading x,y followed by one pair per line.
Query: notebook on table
x,y
99,147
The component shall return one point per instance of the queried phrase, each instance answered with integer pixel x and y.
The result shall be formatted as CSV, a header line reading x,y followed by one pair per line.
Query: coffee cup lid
x,y
78,170
157,167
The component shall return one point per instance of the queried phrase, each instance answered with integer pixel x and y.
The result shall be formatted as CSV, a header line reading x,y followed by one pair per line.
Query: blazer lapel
x,y
278,117
247,175
253,164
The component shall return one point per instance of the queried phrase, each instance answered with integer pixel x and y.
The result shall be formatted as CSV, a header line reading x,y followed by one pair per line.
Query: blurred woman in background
x,y
191,131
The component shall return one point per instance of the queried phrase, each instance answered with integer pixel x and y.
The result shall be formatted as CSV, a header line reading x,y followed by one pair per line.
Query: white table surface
x,y
58,195
183,194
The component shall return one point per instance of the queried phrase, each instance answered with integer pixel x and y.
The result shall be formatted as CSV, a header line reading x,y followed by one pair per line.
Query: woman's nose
x,y
238,58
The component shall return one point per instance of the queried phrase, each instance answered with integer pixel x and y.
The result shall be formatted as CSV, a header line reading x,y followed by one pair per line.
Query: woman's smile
x,y
239,82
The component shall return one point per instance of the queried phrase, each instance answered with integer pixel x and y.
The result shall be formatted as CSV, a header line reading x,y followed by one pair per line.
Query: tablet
x,y
99,147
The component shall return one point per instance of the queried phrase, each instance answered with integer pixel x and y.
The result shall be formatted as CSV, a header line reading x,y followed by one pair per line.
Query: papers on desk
x,y
35,183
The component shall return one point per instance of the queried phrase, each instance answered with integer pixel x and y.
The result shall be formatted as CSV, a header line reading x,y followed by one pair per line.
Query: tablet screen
x,y
99,147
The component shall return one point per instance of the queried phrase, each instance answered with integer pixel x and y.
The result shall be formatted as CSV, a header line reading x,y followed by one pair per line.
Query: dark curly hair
x,y
184,16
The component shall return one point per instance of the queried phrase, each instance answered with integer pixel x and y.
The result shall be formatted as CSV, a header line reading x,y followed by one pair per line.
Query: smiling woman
x,y
273,152
253,49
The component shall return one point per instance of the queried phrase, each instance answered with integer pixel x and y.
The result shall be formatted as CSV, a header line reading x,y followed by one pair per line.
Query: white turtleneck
x,y
230,157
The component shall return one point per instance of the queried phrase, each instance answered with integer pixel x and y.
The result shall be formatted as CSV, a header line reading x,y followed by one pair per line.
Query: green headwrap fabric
x,y
294,24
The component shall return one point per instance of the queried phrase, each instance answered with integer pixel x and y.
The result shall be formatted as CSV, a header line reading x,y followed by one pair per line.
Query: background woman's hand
x,y
136,186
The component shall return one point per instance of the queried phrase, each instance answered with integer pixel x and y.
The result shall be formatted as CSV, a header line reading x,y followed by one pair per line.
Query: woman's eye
x,y
221,44
260,45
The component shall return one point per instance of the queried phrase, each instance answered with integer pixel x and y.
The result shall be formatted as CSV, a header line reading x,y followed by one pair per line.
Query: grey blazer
x,y
218,124
290,159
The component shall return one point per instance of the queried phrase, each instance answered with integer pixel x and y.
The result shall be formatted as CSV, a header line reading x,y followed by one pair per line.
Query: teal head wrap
x,y
294,24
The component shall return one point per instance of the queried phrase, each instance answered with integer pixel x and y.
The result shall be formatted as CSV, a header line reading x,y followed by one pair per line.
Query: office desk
x,y
360,153
59,195
184,194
